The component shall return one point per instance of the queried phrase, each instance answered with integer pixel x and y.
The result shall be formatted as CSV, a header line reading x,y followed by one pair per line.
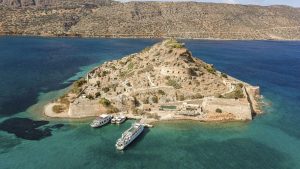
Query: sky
x,y
294,3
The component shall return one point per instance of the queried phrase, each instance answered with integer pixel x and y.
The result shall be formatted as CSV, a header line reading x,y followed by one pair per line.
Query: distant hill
x,y
105,18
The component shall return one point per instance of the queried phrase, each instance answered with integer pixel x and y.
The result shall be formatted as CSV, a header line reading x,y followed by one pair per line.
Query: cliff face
x,y
104,18
164,82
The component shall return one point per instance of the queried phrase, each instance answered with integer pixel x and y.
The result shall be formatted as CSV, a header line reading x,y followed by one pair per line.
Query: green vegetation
x,y
210,68
148,68
146,49
219,110
224,75
197,96
174,44
104,73
237,93
180,97
240,85
64,99
192,72
155,99
122,73
90,97
173,83
105,89
113,67
128,84
130,66
97,94
146,100
58,108
161,92
112,109
98,83
77,86
104,102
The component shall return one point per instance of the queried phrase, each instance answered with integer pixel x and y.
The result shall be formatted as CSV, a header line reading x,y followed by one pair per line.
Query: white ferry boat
x,y
129,135
118,119
101,120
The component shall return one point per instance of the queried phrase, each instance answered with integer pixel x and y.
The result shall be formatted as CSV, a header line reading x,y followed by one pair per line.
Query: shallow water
x,y
33,70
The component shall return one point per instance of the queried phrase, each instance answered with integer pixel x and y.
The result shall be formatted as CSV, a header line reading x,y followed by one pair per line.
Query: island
x,y
162,82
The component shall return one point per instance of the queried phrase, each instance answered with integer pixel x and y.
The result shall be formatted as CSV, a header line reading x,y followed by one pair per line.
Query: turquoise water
x,y
35,70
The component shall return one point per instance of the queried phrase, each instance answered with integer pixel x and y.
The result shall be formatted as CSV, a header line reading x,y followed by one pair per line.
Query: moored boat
x,y
101,120
129,135
118,119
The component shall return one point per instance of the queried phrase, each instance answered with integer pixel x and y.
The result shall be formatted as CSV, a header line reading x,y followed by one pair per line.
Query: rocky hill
x,y
105,18
52,3
161,82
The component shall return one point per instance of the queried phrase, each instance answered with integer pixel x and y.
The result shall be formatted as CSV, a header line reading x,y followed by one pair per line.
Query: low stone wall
x,y
239,109
253,93
84,108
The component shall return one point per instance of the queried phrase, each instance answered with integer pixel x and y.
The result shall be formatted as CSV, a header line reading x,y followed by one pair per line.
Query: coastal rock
x,y
162,82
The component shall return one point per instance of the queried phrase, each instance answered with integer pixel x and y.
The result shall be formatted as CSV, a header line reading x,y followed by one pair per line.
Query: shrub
x,y
58,108
91,97
174,84
104,102
192,72
130,66
146,49
161,92
218,110
174,44
97,94
64,99
105,89
197,96
210,68
181,97
79,83
238,93
77,86
155,99
98,83
104,73
224,75
146,101
128,84
112,109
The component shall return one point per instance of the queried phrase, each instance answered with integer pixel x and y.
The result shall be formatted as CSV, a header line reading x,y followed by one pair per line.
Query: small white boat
x,y
113,120
101,120
118,119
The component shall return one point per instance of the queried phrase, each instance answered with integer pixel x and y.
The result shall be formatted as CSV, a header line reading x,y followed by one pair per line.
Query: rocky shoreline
x,y
162,82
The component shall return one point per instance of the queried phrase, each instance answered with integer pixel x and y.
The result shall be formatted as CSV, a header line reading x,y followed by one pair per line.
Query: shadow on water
x,y
28,129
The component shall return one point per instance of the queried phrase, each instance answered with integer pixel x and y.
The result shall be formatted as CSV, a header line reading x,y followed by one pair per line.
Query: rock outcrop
x,y
161,82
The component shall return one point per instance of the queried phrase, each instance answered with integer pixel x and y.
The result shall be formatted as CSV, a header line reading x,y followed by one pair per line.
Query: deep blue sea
x,y
34,71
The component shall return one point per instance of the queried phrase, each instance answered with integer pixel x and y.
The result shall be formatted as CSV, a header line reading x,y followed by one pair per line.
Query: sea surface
x,y
34,71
